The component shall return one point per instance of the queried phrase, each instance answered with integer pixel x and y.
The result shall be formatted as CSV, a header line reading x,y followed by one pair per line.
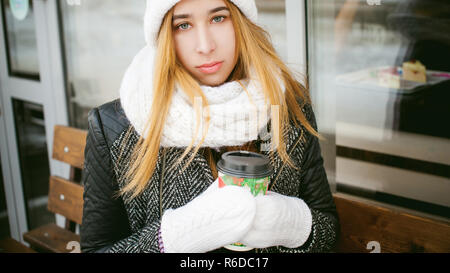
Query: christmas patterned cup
x,y
244,169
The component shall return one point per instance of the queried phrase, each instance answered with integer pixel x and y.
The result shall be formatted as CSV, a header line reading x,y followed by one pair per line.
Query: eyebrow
x,y
184,16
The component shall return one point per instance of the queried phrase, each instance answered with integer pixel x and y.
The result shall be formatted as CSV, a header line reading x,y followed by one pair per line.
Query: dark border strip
x,y
396,200
394,161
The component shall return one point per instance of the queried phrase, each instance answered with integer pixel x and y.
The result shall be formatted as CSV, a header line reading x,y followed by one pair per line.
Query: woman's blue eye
x,y
186,25
221,18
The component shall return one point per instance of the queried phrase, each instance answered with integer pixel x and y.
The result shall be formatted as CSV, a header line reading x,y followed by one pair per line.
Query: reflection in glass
x,y
4,221
20,36
34,162
368,63
272,17
100,40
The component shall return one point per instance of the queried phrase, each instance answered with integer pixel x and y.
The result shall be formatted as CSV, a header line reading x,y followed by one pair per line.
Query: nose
x,y
206,43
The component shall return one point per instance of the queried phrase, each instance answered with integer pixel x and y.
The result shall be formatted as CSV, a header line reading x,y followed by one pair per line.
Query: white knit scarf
x,y
235,120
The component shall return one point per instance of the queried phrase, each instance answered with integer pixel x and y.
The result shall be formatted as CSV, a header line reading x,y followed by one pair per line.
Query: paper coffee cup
x,y
244,169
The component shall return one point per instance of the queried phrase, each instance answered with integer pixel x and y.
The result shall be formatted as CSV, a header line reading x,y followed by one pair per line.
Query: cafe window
x,y
100,39
381,88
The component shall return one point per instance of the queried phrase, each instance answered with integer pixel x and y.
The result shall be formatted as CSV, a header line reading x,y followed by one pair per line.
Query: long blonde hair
x,y
253,50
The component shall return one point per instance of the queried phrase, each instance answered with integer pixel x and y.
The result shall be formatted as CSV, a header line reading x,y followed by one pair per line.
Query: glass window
x,y
272,17
381,87
101,38
20,37
34,161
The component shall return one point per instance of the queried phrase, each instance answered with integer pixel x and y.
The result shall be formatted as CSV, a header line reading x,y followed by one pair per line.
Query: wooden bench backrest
x,y
398,232
68,145
66,196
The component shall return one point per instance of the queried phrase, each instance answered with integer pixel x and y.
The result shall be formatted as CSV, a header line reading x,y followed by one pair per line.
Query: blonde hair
x,y
253,50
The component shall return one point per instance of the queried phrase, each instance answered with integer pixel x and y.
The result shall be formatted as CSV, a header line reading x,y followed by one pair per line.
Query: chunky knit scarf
x,y
238,110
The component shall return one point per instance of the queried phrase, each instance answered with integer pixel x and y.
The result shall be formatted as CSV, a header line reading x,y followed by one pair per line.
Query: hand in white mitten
x,y
279,221
215,218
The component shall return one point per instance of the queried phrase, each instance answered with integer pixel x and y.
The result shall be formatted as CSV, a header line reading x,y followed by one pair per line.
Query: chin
x,y
213,81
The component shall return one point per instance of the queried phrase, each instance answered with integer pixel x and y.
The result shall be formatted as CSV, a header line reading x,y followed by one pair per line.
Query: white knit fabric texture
x,y
279,221
157,9
216,218
232,111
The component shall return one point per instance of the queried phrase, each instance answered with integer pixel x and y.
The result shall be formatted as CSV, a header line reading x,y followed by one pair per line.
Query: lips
x,y
210,68
209,64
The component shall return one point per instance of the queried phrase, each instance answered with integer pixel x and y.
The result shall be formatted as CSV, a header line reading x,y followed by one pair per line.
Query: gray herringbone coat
x,y
110,225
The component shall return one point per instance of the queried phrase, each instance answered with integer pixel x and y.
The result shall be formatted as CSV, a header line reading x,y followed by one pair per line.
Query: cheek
x,y
228,41
183,50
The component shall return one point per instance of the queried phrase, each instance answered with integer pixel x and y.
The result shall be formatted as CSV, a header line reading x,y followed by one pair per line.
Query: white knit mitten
x,y
215,218
279,221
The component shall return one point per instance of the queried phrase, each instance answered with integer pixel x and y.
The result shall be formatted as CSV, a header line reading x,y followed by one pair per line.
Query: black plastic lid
x,y
245,164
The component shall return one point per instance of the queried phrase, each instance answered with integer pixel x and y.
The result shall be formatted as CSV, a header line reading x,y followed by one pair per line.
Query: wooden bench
x,y
9,245
375,228
365,227
65,197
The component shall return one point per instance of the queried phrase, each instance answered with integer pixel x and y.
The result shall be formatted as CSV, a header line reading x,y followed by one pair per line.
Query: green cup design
x,y
257,186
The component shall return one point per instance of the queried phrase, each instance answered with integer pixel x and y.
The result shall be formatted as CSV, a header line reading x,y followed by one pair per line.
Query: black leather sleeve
x,y
104,217
105,226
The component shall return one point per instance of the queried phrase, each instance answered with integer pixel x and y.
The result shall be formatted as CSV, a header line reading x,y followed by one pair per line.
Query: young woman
x,y
150,181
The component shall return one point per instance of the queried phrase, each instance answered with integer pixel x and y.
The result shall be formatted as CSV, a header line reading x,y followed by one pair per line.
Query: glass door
x,y
33,102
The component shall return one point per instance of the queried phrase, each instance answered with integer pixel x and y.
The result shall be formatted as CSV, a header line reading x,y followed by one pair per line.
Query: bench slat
x,y
9,245
68,145
396,232
66,198
51,238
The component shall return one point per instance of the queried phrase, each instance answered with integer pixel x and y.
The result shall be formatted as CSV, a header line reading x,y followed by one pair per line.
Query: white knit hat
x,y
157,9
